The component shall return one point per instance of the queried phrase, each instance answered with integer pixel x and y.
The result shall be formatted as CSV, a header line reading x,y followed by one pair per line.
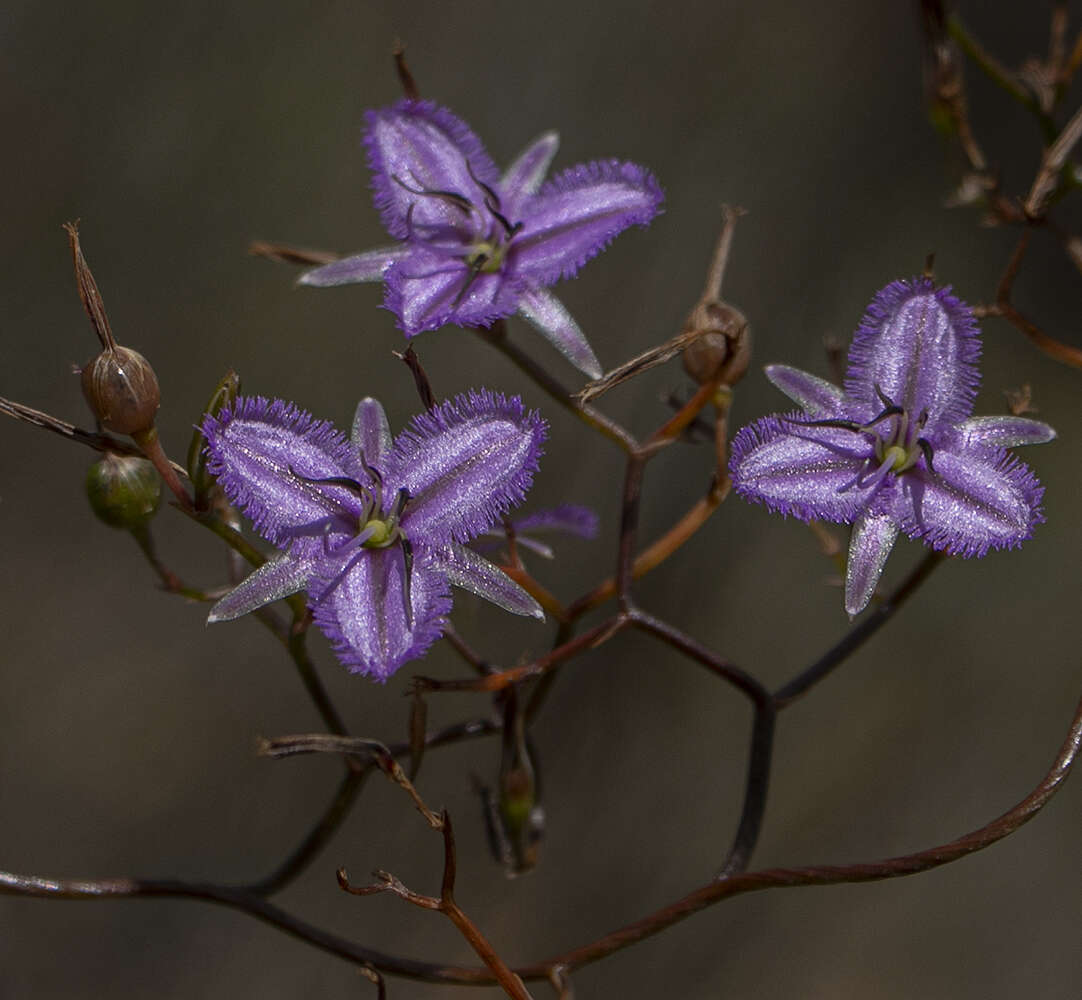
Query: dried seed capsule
x,y
123,491
122,390
724,349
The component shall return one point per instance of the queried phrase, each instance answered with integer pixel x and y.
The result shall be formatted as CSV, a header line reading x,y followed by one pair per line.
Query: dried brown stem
x,y
283,253
1055,157
445,903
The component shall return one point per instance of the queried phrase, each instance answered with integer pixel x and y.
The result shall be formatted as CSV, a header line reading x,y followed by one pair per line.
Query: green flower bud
x,y
123,491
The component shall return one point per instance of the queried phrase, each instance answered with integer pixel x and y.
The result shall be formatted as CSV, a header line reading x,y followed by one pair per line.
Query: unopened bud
x,y
722,352
123,491
122,390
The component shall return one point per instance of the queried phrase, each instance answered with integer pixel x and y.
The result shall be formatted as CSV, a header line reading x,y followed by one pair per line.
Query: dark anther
x,y
883,397
926,451
407,562
401,499
922,419
845,425
373,473
345,482
492,203
462,204
492,200
890,411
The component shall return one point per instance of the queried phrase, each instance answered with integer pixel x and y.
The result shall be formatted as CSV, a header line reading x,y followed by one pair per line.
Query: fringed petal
x,y
359,604
811,473
976,499
266,455
464,464
577,214
426,167
919,345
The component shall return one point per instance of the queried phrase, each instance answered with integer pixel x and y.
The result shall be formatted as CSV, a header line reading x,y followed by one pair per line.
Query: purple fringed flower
x,y
477,246
897,450
374,529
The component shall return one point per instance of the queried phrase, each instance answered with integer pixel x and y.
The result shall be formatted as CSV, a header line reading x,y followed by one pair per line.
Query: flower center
x,y
486,256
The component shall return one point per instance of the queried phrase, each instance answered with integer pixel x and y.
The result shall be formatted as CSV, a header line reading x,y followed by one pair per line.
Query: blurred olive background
x,y
179,133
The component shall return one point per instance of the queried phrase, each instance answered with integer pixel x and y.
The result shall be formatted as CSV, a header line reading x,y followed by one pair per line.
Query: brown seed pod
x,y
122,390
724,349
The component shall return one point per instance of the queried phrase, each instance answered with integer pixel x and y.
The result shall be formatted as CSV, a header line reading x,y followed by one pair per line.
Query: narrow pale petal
x,y
568,518
420,154
812,473
816,396
466,569
869,545
264,455
428,290
919,345
371,433
577,214
275,579
976,499
1005,432
547,313
369,266
360,607
464,464
525,175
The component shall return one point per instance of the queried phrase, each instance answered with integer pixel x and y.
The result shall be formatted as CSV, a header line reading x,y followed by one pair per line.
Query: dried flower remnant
x,y
375,529
896,449
477,246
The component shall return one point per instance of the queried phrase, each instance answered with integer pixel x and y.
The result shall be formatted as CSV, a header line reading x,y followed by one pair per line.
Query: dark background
x,y
177,133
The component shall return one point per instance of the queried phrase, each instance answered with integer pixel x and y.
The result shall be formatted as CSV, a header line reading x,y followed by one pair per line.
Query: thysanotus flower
x,y
374,529
896,449
477,246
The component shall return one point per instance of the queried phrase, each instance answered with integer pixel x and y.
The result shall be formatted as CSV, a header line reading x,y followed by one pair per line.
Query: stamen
x,y
883,397
845,425
450,197
492,203
373,472
890,411
345,482
926,450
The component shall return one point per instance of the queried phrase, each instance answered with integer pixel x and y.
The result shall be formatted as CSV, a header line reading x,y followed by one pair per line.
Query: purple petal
x,y
360,607
417,145
369,266
920,346
577,214
547,313
428,290
275,579
812,473
976,499
1005,432
525,175
466,569
371,433
262,453
869,545
570,518
816,396
464,463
